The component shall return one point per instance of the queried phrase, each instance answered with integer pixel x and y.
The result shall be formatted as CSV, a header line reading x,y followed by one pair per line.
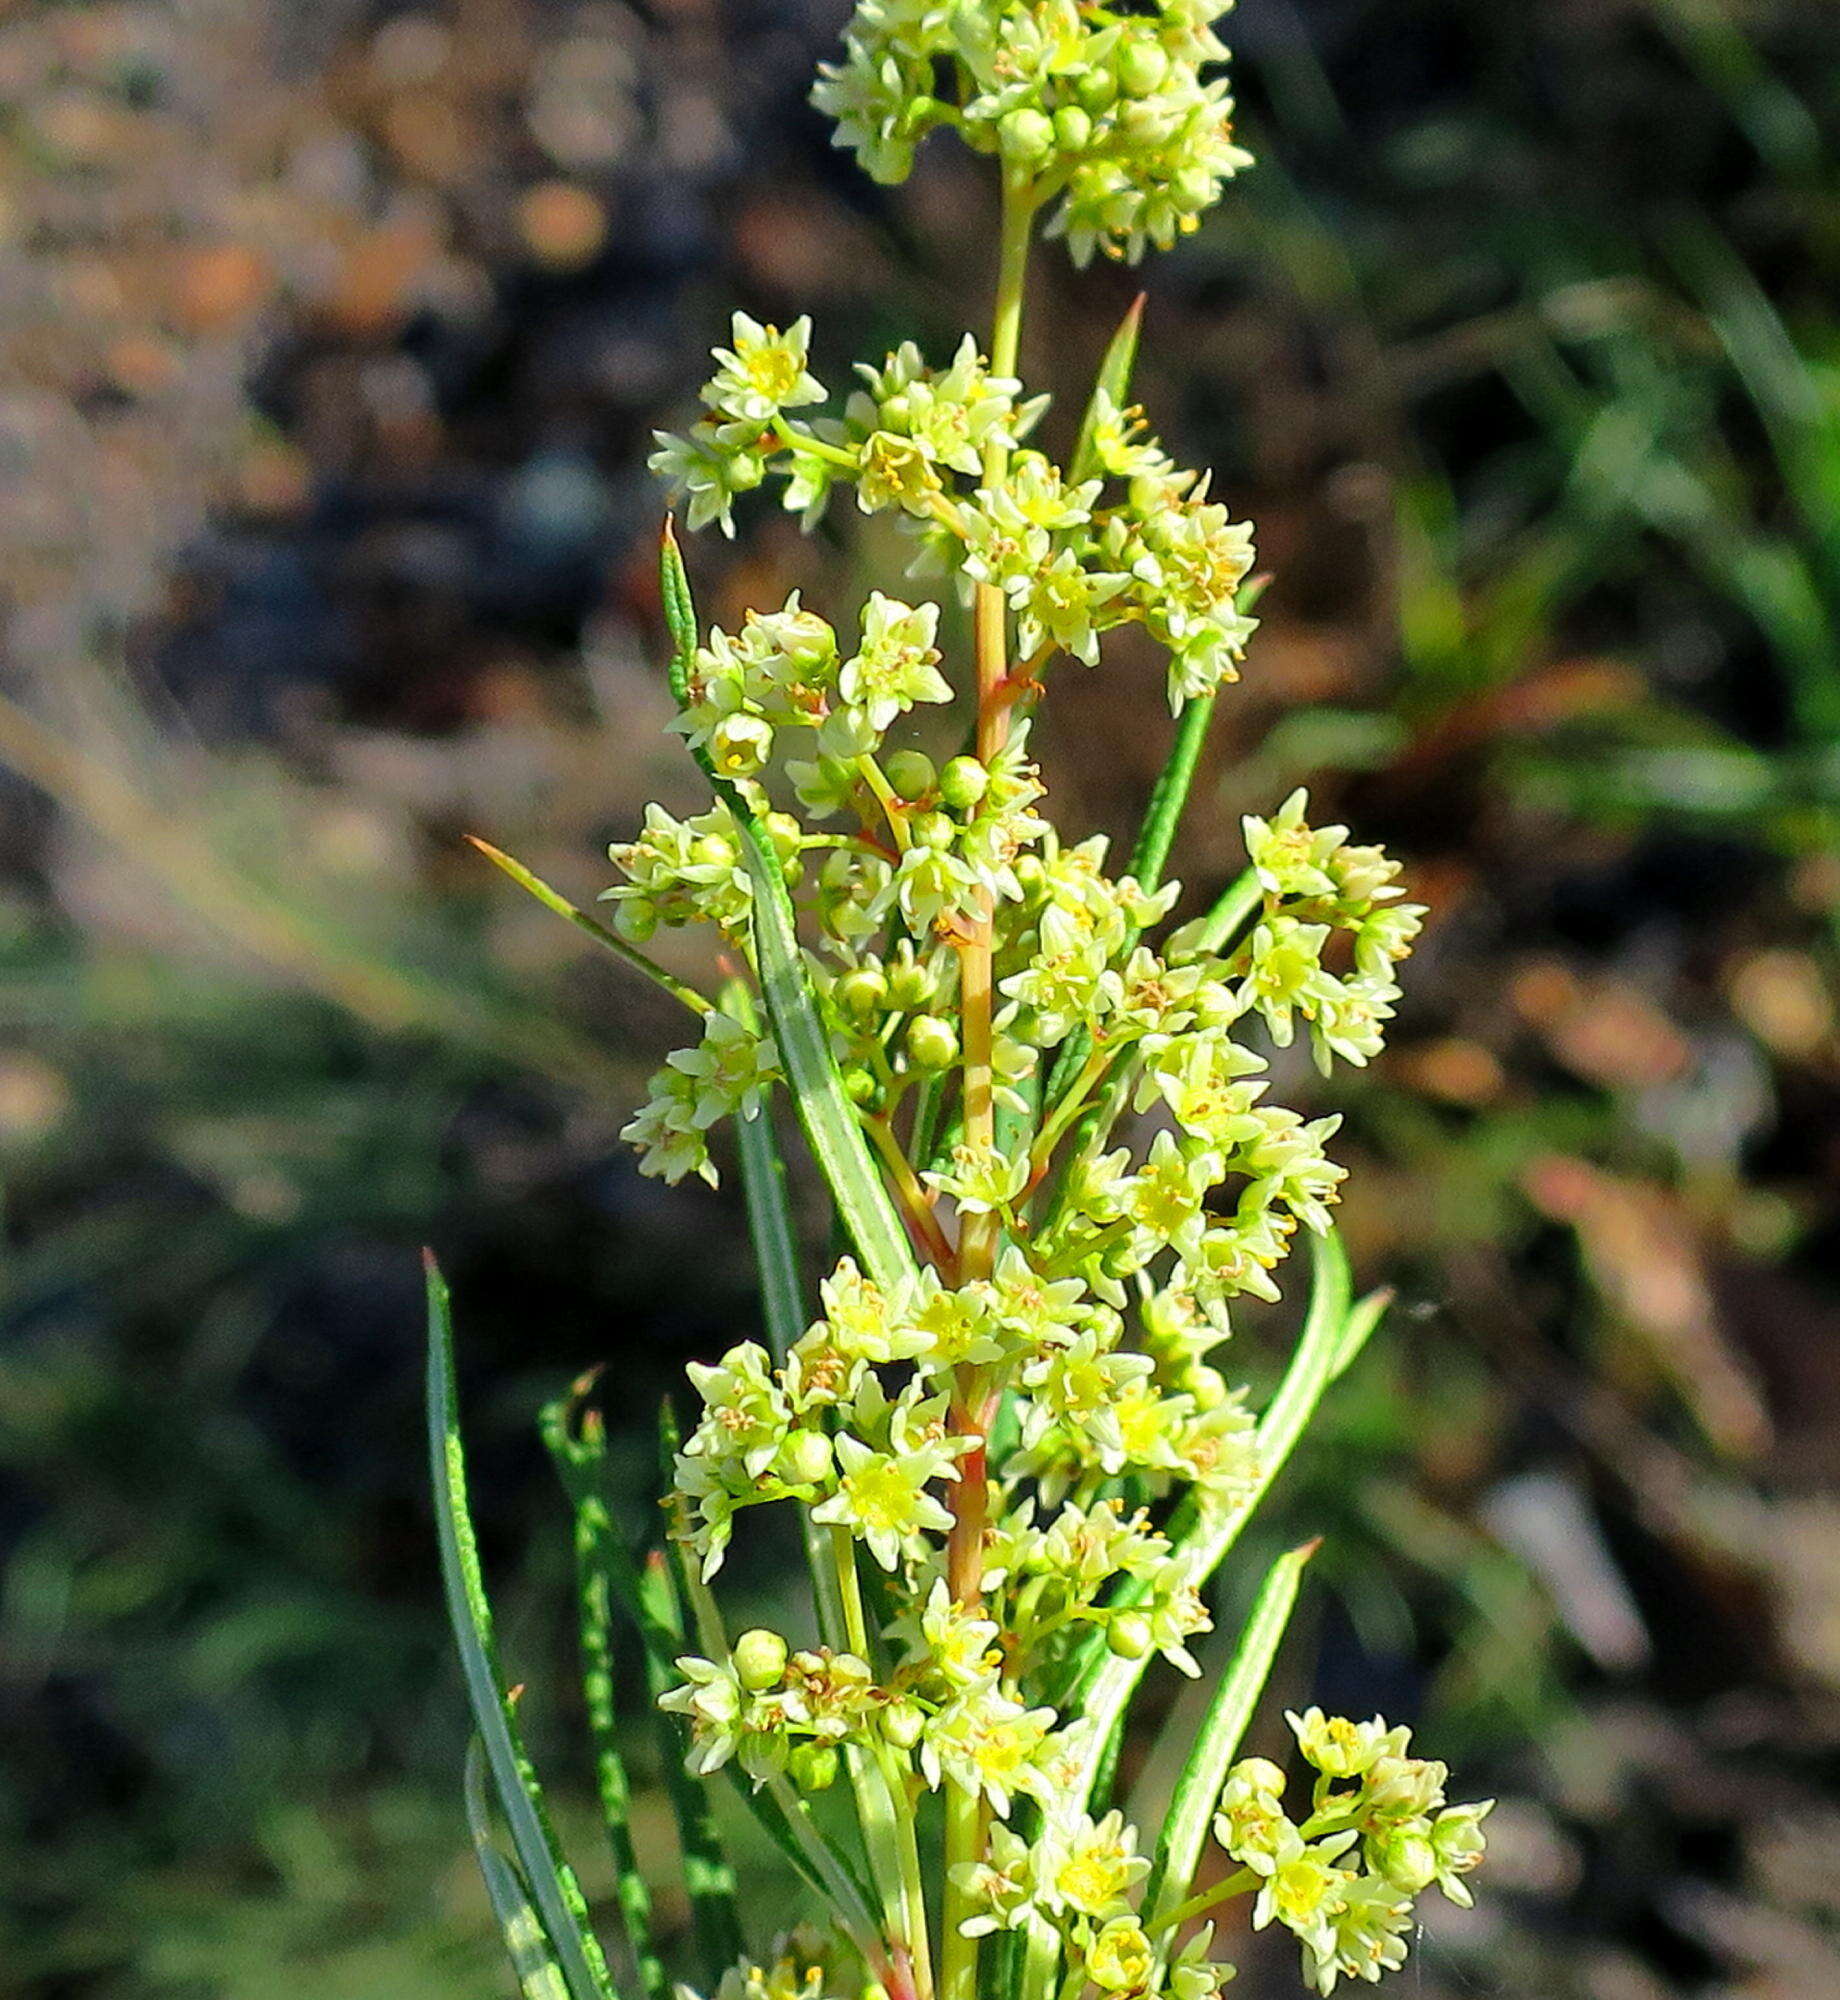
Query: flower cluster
x,y
1135,539
1377,1835
1106,109
1013,1456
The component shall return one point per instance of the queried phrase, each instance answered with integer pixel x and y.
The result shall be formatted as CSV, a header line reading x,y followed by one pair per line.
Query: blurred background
x,y
330,339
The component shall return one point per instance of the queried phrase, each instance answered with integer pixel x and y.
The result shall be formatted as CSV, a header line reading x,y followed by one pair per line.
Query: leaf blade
x,y
1102,1698
1223,1728
553,1888
826,1114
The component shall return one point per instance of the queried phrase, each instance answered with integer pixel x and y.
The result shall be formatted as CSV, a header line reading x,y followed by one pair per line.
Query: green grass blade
x,y
539,1977
554,1890
826,1113
580,1459
1197,1790
1110,1682
1114,379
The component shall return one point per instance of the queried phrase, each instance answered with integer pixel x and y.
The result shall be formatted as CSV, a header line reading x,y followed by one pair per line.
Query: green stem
x,y
1234,1885
553,899
852,1911
849,1587
1236,904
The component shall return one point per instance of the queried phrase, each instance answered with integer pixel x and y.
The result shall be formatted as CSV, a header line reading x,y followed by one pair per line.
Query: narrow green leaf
x,y
539,1977
709,1875
1155,840
1222,1730
554,900
825,1111
1237,902
1110,1682
580,1457
783,1301
1363,1318
1114,381
553,1887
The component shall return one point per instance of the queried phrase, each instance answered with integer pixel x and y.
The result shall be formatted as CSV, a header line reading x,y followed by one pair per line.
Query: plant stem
x,y
978,1234
849,1585
1234,1885
918,1211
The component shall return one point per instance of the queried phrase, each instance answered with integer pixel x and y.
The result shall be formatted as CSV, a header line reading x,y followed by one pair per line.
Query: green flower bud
x,y
1030,875
911,773
1207,1385
902,1723
934,829
1096,87
740,744
760,1659
785,833
1405,1857
932,1043
804,1459
1025,135
897,411
911,985
713,850
963,783
1119,1261
634,919
862,993
1142,66
860,1086
1072,129
813,1767
1128,1635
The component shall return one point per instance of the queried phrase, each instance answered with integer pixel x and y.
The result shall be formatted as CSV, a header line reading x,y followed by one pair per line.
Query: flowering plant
x,y
1014,1458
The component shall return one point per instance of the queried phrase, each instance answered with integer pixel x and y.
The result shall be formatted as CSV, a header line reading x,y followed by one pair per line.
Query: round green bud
x,y
862,993
1072,129
861,1087
1030,875
963,783
1195,188
634,919
1207,1385
713,850
934,829
740,744
1096,86
897,411
813,1767
1129,1635
911,773
785,833
804,1459
1406,1858
902,1722
1165,1320
1119,1261
1025,135
932,1043
911,985
760,1659
1141,66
